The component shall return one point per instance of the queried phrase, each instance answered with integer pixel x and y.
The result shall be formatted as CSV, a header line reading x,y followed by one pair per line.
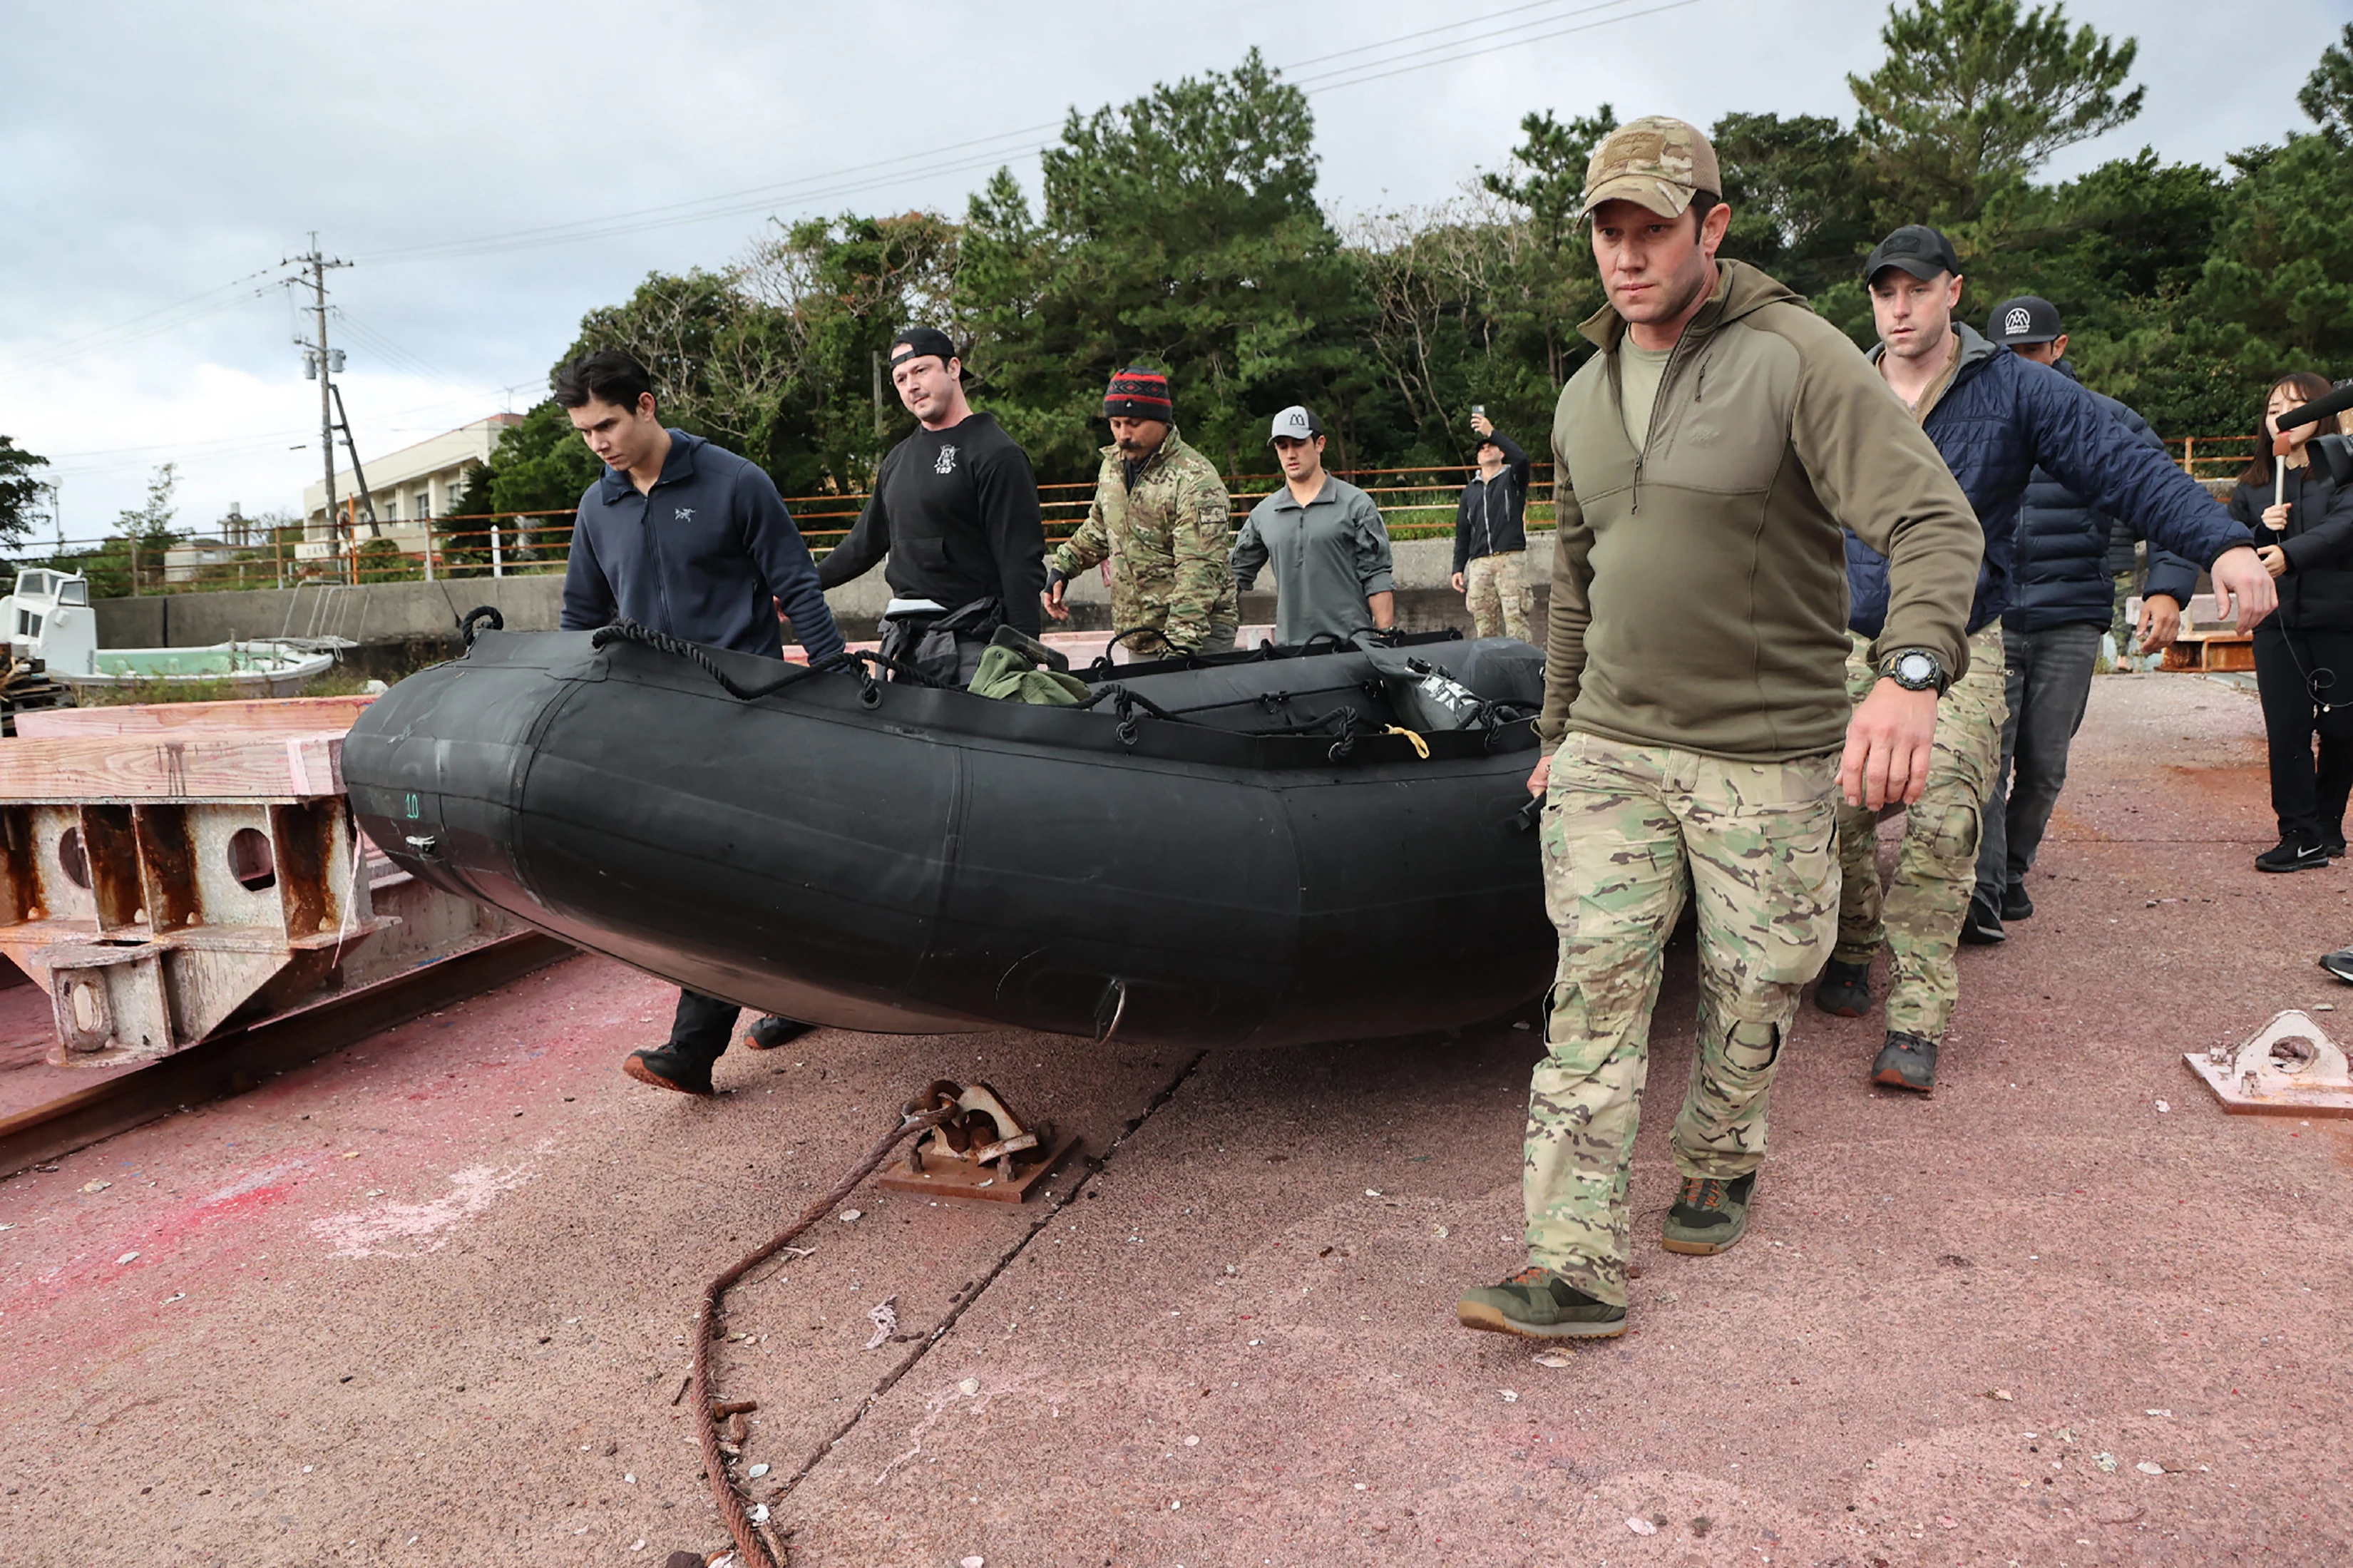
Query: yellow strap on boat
x,y
1420,746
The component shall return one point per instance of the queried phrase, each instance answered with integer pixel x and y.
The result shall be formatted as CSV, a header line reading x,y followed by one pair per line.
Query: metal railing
x,y
1418,502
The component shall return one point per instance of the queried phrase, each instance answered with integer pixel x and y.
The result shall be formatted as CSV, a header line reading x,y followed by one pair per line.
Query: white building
x,y
411,487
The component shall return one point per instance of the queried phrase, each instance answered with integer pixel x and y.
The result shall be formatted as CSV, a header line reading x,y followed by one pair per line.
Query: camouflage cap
x,y
1655,162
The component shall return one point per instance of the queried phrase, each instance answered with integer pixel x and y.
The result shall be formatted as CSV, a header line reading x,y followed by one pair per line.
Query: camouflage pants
x,y
1147,644
2122,586
1494,589
1620,824
1919,916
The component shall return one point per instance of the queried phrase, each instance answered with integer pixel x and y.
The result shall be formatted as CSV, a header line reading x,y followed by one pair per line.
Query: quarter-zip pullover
x,y
707,554
1328,557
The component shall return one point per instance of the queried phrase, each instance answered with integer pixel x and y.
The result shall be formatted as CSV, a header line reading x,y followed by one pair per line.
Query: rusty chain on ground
x,y
752,1549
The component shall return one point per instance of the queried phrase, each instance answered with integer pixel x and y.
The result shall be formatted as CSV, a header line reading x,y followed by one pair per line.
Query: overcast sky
x,y
153,155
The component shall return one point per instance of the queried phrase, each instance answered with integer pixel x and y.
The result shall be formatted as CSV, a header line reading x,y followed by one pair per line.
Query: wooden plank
x,y
220,767
306,714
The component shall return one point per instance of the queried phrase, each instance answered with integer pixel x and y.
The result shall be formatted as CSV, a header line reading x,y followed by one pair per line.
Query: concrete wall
x,y
418,620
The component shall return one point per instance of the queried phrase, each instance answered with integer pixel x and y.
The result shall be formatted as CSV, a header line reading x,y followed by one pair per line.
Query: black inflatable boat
x,y
1237,851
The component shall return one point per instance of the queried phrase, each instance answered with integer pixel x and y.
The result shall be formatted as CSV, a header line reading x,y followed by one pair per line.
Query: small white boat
x,y
50,617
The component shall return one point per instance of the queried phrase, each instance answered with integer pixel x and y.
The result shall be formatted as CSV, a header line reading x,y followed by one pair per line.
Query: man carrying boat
x,y
1995,417
1162,518
1695,689
956,508
692,540
1330,550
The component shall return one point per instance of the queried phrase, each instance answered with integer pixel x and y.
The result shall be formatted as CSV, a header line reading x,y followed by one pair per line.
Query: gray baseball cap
x,y
1296,422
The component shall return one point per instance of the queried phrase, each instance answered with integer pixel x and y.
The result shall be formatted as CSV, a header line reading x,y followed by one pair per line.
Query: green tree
x,y
1801,195
20,491
2326,96
1556,286
1179,229
1975,95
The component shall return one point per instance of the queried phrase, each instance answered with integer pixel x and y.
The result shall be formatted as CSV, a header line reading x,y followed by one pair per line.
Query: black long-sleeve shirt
x,y
708,555
957,511
1491,519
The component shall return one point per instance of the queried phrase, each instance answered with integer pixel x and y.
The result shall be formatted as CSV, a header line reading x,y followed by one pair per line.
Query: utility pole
x,y
318,361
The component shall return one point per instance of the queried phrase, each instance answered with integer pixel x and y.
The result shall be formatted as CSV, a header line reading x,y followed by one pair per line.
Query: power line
x,y
1510,38
1454,27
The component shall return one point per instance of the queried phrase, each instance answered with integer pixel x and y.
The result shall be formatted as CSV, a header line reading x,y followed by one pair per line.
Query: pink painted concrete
x,y
425,1303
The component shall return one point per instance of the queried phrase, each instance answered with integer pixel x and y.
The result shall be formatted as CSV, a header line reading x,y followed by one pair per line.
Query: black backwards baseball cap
x,y
2028,319
1136,392
916,342
1917,250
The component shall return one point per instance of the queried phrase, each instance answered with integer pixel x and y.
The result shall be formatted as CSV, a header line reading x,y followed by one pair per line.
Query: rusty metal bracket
x,y
2288,1068
984,1152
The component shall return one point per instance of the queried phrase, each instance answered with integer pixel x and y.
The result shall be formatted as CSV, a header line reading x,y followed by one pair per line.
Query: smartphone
x,y
1478,411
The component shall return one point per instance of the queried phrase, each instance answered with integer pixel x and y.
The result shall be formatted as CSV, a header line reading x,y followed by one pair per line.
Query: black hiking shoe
x,y
663,1068
2287,855
766,1033
1845,990
2015,904
1981,926
1709,1214
1906,1061
1538,1304
2339,963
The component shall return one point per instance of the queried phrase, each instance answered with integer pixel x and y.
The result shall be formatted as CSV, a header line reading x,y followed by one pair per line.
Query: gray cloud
x,y
158,152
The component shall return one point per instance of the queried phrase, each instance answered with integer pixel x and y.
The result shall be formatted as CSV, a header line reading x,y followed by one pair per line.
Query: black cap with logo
x,y
1917,250
2027,318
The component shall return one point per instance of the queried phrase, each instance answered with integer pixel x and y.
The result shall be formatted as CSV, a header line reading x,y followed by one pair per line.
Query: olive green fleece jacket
x,y
1699,594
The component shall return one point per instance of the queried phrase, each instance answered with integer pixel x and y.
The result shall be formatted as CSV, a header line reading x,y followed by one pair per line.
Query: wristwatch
x,y
1917,669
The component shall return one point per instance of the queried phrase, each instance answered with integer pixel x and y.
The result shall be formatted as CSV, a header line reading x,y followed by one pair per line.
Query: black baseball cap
x,y
915,343
2026,319
1915,248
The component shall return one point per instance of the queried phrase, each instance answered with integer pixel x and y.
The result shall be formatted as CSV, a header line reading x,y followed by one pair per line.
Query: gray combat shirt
x,y
1328,556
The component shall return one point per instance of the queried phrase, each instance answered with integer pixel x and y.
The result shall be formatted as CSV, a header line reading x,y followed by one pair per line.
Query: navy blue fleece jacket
x,y
708,555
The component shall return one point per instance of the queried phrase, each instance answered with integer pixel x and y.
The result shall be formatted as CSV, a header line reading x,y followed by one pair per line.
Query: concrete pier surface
x,y
426,1301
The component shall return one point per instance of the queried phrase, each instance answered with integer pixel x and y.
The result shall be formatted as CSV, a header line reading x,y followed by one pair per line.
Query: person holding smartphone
x,y
1491,540
2303,523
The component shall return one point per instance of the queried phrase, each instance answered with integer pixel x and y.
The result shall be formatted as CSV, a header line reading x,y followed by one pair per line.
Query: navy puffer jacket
x,y
2063,574
2001,417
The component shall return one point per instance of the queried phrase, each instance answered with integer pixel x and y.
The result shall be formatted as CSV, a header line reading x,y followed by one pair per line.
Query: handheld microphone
x,y
2336,402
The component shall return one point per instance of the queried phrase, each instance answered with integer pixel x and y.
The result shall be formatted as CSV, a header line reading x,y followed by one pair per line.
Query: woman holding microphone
x,y
2302,524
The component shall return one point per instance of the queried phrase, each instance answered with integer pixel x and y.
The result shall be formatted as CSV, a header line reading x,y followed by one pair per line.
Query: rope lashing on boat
x,y
471,624
754,1549
696,654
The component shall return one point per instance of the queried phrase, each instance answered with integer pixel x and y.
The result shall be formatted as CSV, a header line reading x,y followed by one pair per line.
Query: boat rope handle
x,y
694,653
471,624
1420,746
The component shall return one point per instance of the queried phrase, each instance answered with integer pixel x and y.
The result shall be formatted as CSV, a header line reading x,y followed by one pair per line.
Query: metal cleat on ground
x,y
2289,1069
984,1152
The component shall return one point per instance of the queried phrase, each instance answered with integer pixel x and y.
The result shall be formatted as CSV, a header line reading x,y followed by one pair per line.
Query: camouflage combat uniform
x,y
1167,540
1919,916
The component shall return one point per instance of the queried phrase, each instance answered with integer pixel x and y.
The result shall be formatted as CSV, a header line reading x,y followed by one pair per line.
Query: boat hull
x,y
941,862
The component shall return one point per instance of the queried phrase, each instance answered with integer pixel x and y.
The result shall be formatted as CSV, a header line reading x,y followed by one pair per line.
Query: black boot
x,y
1981,926
766,1033
1845,990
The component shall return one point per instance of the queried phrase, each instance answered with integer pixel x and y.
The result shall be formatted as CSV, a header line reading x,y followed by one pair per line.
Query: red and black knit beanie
x,y
1139,393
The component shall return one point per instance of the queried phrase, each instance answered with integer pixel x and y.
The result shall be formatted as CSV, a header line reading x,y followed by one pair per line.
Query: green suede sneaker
x,y
1538,1304
1709,1214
